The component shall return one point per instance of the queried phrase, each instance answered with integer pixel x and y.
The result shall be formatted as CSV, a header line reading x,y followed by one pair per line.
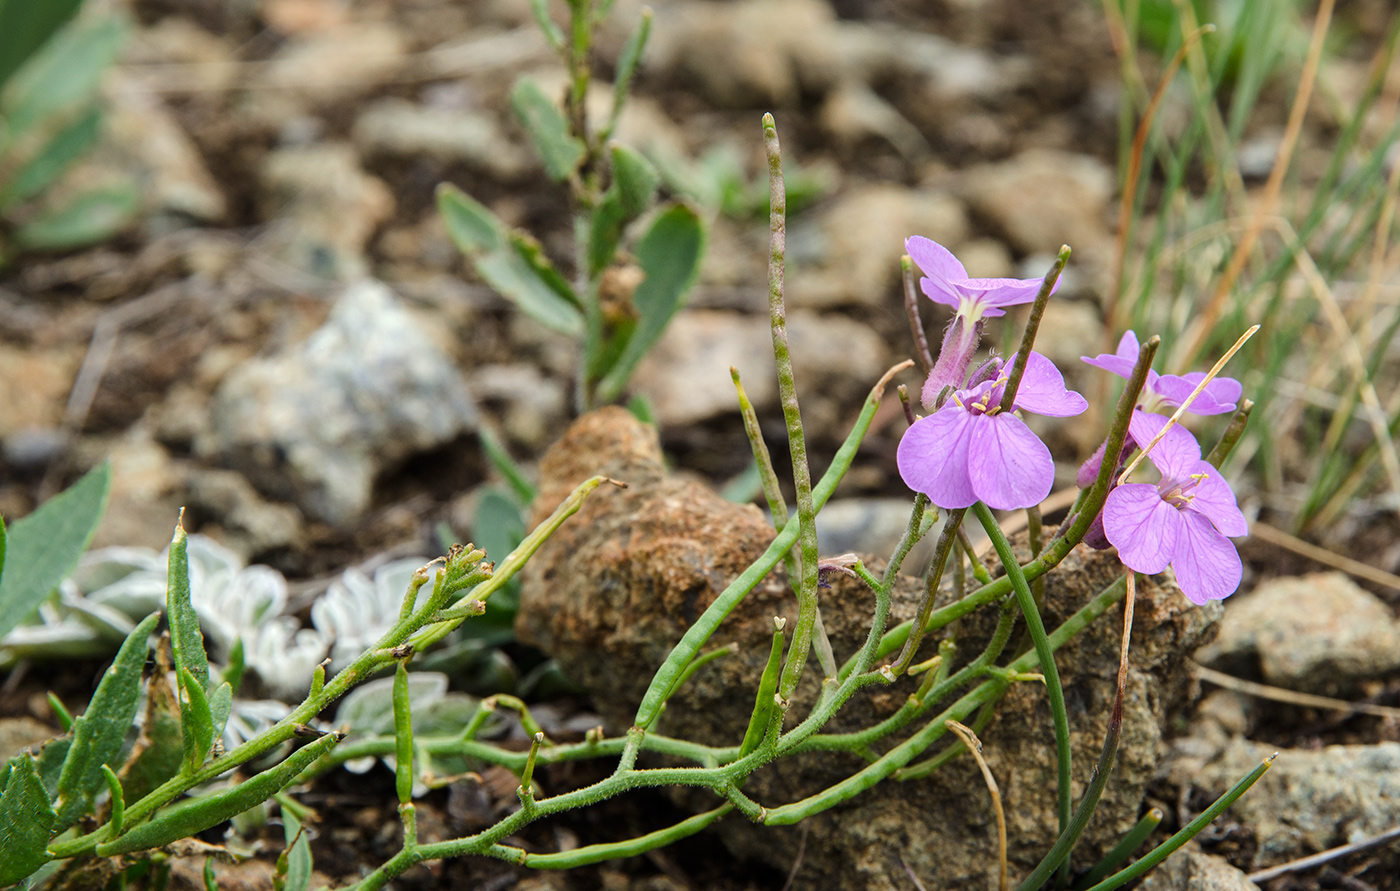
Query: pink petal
x,y
1141,526
1010,467
1214,498
993,293
937,262
1122,361
1043,391
1220,395
1206,563
932,457
1128,347
1176,455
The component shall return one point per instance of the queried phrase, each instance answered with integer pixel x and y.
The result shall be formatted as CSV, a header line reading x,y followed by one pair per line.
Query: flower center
x,y
1178,493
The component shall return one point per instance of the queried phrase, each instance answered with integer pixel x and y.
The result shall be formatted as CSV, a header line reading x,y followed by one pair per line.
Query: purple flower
x,y
1181,520
970,450
1219,396
945,281
974,299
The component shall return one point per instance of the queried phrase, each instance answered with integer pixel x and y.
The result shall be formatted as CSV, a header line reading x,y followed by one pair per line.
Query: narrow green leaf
x,y
636,180
670,256
509,262
605,231
64,75
185,637
513,278
560,150
500,459
210,882
53,158
497,525
2,551
551,31
196,724
191,817
91,217
626,68
26,823
299,864
98,734
220,705
24,27
45,546
472,227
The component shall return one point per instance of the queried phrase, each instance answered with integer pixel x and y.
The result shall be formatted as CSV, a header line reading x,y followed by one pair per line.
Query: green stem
x,y
1044,653
932,579
629,848
1042,298
1123,850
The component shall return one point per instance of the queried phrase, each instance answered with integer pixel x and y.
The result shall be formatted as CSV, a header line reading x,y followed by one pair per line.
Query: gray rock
x,y
332,64
325,206
1042,199
1309,801
686,376
399,128
860,238
251,524
628,574
1190,869
316,423
1319,632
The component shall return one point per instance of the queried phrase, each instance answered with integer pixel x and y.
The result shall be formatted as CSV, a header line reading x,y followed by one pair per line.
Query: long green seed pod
x,y
767,686
196,816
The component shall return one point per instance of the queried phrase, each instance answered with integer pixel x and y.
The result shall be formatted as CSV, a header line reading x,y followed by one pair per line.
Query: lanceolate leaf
x,y
26,823
45,546
636,180
25,25
65,75
185,637
98,734
53,158
670,256
88,218
196,724
560,150
510,263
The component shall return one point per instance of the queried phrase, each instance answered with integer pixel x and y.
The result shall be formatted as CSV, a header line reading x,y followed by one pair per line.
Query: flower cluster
x,y
969,449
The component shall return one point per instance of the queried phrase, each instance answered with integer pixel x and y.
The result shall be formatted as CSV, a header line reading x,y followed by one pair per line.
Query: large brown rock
x,y
617,586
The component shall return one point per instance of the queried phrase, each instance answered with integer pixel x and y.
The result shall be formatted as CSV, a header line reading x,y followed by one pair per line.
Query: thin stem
x,y
1044,653
1232,434
932,580
787,389
1042,298
911,309
1124,849
772,491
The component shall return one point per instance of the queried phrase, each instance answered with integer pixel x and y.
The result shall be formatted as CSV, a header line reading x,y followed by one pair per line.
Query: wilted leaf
x,y
45,546
98,734
26,823
90,217
560,150
670,256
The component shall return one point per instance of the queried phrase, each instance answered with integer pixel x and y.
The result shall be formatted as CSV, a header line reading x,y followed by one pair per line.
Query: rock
x,y
334,64
860,238
854,113
317,422
34,387
142,139
251,524
686,375
1320,633
629,574
744,55
1190,869
535,405
142,506
402,129
1309,801
1069,329
1042,199
325,207
18,734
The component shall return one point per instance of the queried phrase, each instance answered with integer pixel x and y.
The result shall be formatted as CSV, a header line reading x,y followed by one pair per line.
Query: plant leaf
x,y
26,823
605,231
25,26
45,546
670,256
298,854
185,637
636,180
560,150
98,734
509,262
196,724
63,75
90,217
56,156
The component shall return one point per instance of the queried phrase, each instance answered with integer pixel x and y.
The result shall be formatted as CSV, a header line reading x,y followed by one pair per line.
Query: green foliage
x,y
26,822
560,150
45,546
294,864
50,117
